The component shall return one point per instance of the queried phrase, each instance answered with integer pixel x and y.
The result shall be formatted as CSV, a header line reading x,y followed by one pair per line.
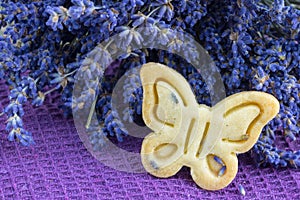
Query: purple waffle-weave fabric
x,y
60,167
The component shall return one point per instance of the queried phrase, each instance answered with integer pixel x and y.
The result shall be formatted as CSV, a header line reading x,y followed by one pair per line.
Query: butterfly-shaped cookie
x,y
206,139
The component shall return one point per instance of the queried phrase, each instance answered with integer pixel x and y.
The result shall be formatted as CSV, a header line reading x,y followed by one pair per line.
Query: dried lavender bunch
x,y
255,45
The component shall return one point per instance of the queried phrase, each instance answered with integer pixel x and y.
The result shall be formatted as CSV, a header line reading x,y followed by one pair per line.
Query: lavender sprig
x,y
254,43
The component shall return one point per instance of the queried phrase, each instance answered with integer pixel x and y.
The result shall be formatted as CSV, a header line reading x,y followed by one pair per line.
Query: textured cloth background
x,y
59,167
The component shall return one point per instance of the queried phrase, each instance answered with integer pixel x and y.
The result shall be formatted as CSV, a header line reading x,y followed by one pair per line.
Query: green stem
x,y
107,45
49,91
38,78
142,12
72,72
88,123
153,11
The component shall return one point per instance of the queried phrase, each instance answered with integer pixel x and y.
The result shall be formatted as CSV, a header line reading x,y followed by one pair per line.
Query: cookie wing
x,y
243,117
165,101
164,98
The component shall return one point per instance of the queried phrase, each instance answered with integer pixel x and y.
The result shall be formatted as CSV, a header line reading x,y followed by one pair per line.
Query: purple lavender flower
x,y
58,15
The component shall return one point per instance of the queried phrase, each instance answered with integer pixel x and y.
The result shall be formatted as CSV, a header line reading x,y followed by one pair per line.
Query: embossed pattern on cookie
x,y
206,139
